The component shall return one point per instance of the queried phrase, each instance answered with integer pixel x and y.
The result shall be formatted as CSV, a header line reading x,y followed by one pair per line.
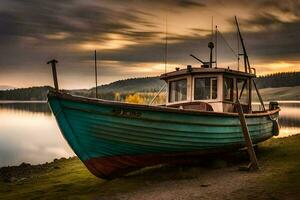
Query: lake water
x,y
29,133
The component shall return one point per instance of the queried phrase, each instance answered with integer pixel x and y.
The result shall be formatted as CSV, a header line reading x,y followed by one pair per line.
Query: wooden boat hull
x,y
113,138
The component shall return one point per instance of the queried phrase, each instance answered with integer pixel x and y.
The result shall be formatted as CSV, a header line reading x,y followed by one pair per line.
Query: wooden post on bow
x,y
54,73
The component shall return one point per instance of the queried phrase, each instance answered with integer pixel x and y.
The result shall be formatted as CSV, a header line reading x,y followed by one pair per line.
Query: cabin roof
x,y
198,70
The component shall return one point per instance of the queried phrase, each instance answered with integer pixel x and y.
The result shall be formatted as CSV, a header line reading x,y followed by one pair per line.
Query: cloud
x,y
131,33
263,21
80,22
189,4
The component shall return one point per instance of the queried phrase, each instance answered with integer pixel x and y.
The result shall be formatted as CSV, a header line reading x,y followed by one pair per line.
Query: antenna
x,y
96,73
216,45
166,44
238,50
204,63
212,28
211,44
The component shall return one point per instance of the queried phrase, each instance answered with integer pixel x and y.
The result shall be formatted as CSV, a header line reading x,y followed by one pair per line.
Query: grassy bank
x,y
281,168
279,178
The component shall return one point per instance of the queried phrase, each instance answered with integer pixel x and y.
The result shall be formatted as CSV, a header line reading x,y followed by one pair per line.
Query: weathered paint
x,y
114,138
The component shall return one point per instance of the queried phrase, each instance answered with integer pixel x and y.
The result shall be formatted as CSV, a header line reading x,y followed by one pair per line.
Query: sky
x,y
130,36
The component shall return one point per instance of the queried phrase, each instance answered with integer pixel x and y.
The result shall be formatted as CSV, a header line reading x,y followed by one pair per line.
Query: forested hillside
x,y
147,84
119,90
25,94
284,79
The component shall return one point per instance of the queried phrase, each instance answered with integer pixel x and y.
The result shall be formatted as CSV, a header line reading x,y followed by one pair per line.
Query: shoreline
x,y
21,101
45,101
278,178
25,170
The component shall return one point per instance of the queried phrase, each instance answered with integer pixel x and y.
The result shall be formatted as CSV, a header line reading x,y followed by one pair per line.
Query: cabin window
x,y
243,90
178,90
228,89
205,88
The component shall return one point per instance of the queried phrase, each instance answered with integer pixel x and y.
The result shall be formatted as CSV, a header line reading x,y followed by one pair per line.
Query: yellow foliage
x,y
134,98
117,96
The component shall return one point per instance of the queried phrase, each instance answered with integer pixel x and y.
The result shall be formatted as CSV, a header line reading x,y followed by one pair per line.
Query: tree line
x,y
121,90
282,79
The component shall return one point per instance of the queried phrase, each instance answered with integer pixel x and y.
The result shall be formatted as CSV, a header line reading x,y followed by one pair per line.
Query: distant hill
x,y
25,94
123,87
283,79
6,87
144,85
147,84
279,93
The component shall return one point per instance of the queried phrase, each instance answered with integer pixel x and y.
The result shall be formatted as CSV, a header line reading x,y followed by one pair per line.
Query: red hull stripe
x,y
111,167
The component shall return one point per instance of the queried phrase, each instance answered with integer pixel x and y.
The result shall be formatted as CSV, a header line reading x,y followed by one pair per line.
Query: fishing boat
x,y
208,109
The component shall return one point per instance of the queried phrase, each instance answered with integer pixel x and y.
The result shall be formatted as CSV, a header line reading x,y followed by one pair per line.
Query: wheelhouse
x,y
208,89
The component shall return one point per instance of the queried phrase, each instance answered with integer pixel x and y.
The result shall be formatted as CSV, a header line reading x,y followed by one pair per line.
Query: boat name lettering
x,y
129,113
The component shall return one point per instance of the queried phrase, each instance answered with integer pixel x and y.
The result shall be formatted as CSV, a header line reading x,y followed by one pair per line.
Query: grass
x,y
279,177
281,165
69,181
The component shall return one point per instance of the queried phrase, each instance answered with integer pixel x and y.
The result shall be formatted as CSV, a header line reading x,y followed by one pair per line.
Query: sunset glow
x,y
112,41
130,36
281,66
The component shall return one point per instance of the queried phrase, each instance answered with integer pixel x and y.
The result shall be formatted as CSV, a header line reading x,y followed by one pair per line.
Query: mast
x,y
96,73
211,44
246,60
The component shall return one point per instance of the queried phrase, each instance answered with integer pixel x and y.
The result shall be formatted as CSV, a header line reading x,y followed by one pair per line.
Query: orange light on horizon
x,y
276,67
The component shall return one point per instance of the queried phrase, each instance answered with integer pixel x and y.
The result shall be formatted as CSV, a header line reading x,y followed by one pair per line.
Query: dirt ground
x,y
228,183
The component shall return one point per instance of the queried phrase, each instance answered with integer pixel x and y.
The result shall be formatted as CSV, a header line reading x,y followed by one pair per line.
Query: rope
x,y
161,89
235,54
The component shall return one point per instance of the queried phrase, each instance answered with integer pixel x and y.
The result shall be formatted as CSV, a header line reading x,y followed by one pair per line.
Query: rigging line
x,y
216,46
157,94
238,50
166,44
235,54
96,74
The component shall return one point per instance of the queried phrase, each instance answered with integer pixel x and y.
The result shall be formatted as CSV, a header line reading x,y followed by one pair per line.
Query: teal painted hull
x,y
112,138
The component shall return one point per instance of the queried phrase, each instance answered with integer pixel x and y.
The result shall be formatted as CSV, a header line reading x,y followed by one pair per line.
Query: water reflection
x,y
289,118
29,133
36,107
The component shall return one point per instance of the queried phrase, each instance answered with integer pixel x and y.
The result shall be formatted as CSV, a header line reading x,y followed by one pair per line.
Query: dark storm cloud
x,y
33,31
154,52
290,6
83,22
166,3
26,26
188,3
264,20
282,44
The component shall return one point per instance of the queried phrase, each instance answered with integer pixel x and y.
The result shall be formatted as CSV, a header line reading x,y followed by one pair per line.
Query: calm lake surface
x,y
29,133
